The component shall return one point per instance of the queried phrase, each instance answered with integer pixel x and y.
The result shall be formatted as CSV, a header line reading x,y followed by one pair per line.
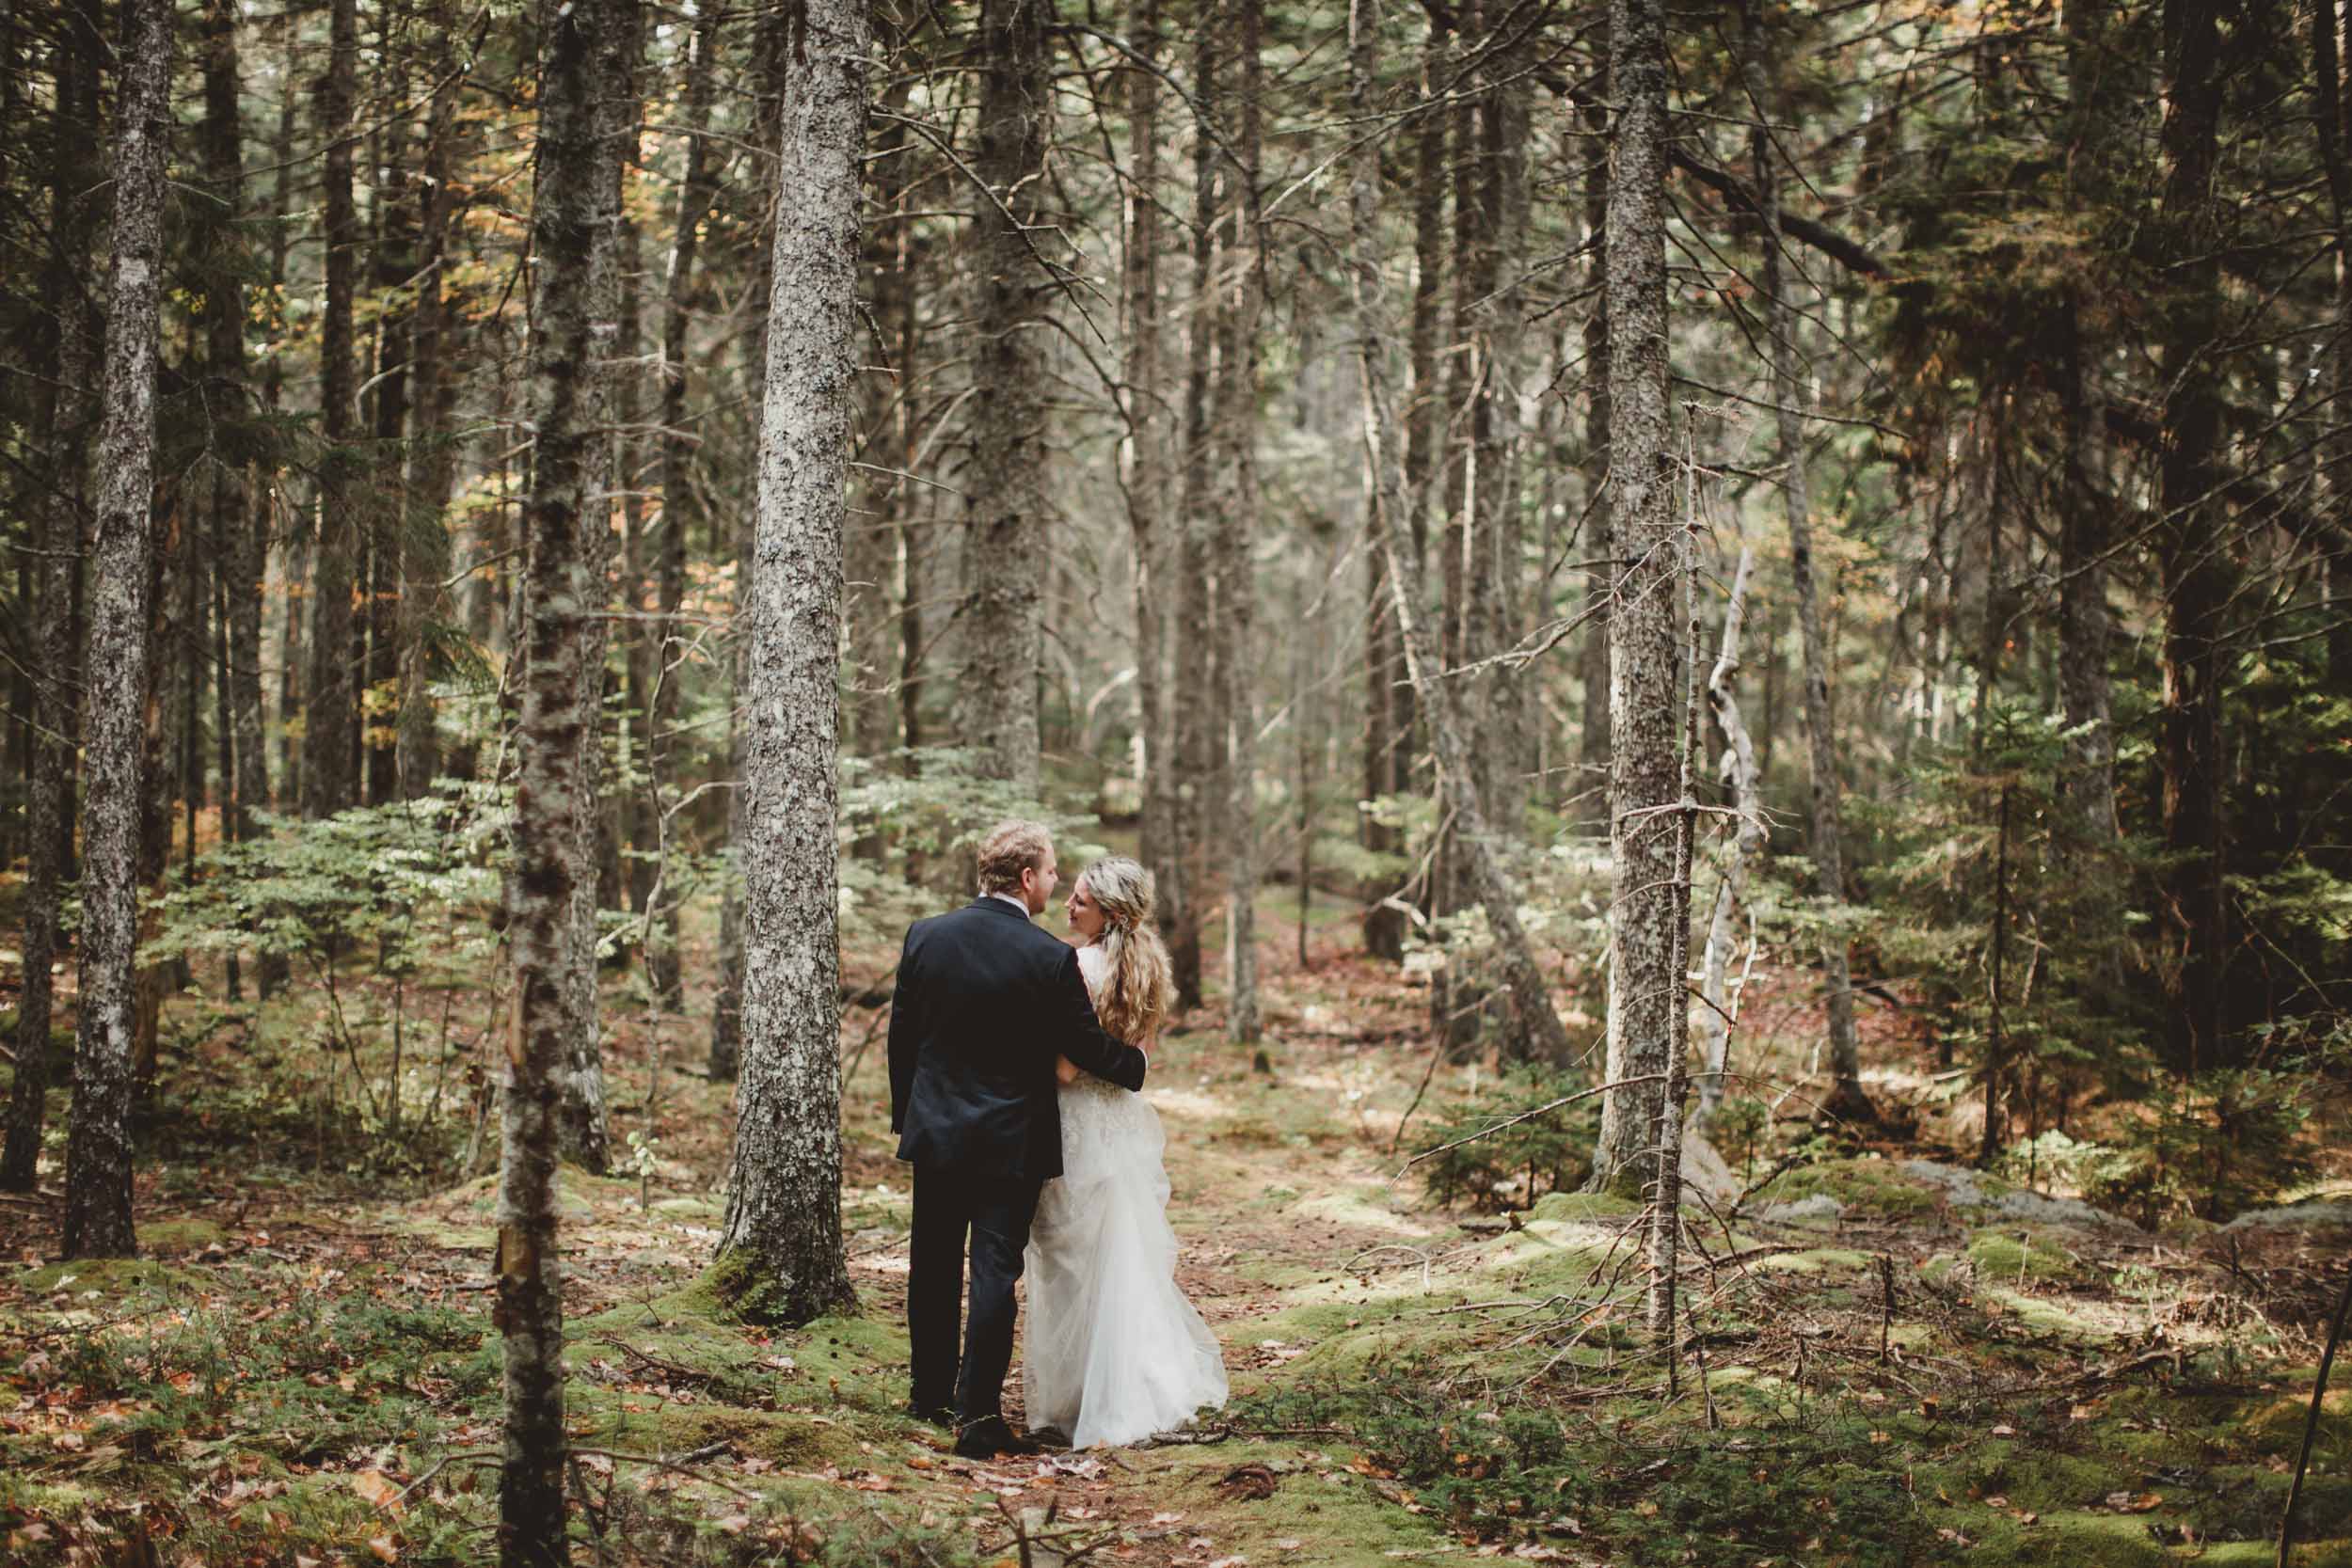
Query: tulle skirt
x,y
1114,1351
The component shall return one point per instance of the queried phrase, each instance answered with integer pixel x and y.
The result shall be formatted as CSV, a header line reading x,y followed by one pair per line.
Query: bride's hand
x,y
1065,1070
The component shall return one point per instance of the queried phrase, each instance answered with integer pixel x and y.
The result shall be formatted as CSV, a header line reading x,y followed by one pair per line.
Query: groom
x,y
985,1001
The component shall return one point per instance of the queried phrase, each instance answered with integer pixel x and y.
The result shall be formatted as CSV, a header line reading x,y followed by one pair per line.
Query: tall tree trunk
x,y
780,1239
1722,697
241,526
294,565
1147,433
679,509
1646,992
570,212
1488,875
62,415
1237,526
1457,1002
2195,552
433,463
1781,324
885,496
771,51
1194,748
1391,720
396,210
97,1147
332,713
1005,503
2094,77
2336,158
1503,461
583,1129
1593,746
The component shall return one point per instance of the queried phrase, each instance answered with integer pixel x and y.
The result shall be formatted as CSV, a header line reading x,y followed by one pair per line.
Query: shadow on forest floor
x,y
1888,1362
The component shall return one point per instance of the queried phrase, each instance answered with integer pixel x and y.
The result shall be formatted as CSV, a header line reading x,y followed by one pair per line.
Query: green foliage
x,y
1500,1469
2224,1141
416,881
1517,1164
1986,854
928,809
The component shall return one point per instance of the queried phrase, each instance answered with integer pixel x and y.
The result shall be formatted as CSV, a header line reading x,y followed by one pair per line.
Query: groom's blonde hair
x,y
1011,848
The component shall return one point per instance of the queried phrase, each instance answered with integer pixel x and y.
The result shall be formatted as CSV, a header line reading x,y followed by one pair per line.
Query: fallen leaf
x,y
381,1546
378,1489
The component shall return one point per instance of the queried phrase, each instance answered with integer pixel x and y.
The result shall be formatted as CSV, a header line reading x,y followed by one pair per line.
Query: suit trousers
x,y
992,1213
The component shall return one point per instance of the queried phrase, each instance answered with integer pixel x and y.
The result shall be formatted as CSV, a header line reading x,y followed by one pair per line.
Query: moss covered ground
x,y
303,1370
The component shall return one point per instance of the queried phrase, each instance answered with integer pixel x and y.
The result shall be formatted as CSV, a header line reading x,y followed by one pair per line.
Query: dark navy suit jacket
x,y
985,1001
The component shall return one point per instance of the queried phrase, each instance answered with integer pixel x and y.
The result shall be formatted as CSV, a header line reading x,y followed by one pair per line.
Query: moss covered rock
x,y
1873,1187
2013,1255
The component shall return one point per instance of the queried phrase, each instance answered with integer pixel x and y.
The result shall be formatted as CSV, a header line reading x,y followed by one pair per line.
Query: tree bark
x,y
1237,526
2085,528
433,463
2194,550
1194,750
1722,697
562,594
294,565
770,49
2336,159
1456,999
241,526
61,417
331,712
1147,436
680,506
1645,992
1488,875
1005,507
584,1131
780,1245
1593,746
1781,325
97,1219
396,210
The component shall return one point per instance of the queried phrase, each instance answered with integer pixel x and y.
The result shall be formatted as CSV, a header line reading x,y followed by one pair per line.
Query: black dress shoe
x,y
941,1415
989,1438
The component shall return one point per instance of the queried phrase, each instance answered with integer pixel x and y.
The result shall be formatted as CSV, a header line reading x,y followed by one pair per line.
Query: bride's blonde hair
x,y
1136,983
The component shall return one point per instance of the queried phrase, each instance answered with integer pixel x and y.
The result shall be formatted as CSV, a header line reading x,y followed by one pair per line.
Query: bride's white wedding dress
x,y
1114,1351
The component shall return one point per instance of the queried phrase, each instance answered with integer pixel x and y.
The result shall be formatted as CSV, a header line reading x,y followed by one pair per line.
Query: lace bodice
x,y
1100,1120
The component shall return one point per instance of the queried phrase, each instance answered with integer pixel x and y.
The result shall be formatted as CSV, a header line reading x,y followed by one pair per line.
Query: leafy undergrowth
x,y
1883,1362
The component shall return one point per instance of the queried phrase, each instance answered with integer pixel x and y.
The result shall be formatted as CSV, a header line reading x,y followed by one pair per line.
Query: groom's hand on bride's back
x,y
1083,1041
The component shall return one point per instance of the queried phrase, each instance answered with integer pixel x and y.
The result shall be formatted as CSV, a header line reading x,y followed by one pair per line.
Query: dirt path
x,y
1278,1185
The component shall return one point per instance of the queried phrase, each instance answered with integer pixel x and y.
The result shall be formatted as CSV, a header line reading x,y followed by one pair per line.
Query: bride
x,y
1114,1353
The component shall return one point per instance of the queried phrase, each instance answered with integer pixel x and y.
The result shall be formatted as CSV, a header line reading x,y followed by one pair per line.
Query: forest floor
x,y
1889,1360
